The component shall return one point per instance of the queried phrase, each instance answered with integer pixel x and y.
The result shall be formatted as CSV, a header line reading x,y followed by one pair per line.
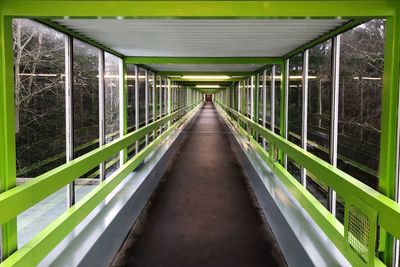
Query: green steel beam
x,y
181,73
209,91
202,60
390,96
7,132
195,81
197,9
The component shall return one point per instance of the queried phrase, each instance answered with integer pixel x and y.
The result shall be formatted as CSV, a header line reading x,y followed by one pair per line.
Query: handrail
x,y
38,247
341,182
22,197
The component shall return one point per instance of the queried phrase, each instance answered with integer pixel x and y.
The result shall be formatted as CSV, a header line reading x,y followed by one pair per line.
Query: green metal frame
x,y
199,9
7,132
388,146
357,10
346,186
181,73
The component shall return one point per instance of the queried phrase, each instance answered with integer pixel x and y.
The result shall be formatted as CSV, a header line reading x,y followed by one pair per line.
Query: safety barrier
x,y
18,199
366,209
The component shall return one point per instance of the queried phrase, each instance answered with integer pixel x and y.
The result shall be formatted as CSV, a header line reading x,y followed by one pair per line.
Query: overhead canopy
x,y
198,38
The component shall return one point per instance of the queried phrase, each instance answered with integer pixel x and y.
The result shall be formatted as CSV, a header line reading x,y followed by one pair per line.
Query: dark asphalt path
x,y
202,213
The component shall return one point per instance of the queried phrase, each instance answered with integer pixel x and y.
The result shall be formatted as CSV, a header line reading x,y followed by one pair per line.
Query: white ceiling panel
x,y
202,37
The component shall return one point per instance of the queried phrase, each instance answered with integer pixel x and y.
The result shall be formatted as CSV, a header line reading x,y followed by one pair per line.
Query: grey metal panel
x,y
202,37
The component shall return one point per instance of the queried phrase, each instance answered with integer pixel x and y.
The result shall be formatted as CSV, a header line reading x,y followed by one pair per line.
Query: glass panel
x,y
151,96
131,84
39,76
85,109
360,91
142,103
142,98
294,169
131,112
163,96
319,100
295,98
39,55
111,84
260,78
319,111
111,89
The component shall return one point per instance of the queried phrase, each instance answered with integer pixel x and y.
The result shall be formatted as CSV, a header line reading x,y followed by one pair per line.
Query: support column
x,y
304,113
272,118
334,117
285,105
390,96
7,131
168,100
153,100
146,102
264,103
136,105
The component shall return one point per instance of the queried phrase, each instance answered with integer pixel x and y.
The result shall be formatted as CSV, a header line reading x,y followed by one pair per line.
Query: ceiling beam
x,y
203,60
197,9
182,73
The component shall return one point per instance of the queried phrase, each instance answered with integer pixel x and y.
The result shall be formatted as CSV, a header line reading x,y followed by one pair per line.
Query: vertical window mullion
x,y
272,119
286,110
304,113
396,245
264,103
334,117
153,100
122,107
251,99
69,118
136,105
146,102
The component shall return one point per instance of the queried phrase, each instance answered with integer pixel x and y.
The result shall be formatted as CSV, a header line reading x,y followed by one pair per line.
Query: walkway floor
x,y
202,213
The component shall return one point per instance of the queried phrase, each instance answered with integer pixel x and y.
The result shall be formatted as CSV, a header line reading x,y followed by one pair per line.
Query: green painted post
x,y
388,149
170,100
282,107
7,130
124,110
255,103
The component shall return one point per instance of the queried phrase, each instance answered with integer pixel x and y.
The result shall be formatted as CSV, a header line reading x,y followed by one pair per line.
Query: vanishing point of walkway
x,y
202,213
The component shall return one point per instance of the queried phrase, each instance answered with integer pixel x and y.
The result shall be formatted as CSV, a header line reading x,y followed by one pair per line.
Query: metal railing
x,y
16,200
364,206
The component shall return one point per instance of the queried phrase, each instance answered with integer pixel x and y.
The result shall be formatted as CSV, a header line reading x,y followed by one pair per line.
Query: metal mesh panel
x,y
358,232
